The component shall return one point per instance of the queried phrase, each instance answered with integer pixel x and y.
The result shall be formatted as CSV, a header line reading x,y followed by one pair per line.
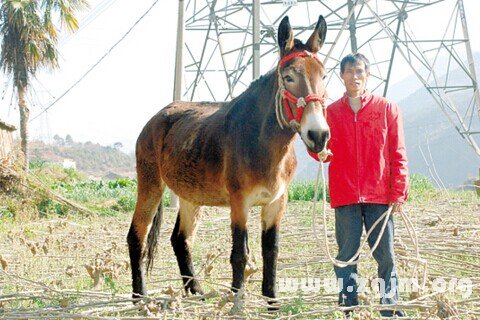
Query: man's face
x,y
355,77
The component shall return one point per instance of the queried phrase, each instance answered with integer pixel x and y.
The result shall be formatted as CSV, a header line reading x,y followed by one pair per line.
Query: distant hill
x,y
90,158
433,143
428,131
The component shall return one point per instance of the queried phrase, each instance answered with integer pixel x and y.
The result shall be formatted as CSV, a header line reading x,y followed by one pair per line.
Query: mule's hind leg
x,y
182,239
271,218
144,228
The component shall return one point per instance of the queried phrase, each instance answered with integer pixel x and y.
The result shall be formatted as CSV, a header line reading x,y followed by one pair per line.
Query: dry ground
x,y
77,267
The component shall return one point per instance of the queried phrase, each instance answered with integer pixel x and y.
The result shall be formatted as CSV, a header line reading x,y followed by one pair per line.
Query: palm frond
x,y
66,10
29,36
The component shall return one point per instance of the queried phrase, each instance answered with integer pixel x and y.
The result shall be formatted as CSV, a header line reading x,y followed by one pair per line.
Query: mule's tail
x,y
152,239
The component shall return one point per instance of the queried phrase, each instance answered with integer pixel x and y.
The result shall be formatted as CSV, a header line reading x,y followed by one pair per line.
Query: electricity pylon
x,y
230,42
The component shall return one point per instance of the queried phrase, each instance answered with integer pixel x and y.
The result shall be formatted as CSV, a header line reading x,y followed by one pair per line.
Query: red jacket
x,y
369,162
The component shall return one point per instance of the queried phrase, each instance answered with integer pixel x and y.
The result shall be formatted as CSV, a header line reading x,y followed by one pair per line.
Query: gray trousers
x,y
349,222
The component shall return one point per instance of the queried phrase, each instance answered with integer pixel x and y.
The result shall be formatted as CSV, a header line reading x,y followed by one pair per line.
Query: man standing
x,y
367,174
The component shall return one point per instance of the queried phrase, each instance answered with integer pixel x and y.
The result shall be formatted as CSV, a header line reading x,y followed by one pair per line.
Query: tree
x,y
58,140
28,42
68,140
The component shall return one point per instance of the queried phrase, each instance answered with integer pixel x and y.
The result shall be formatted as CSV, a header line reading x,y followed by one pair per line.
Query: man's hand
x,y
324,154
396,207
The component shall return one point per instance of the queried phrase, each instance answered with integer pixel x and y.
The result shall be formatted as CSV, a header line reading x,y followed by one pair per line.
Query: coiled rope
x,y
384,217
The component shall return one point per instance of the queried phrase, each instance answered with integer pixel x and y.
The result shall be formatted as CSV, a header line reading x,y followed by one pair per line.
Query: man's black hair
x,y
353,59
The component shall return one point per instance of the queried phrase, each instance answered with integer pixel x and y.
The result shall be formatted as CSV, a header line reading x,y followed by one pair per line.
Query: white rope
x,y
385,217
353,260
278,101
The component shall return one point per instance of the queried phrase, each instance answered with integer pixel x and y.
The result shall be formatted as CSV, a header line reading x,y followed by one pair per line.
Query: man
x,y
367,175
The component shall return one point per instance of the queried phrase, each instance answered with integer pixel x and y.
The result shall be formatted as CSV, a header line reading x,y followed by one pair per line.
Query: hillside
x,y
90,158
433,143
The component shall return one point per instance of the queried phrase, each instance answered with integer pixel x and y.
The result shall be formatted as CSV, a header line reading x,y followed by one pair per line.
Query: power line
x,y
94,14
97,63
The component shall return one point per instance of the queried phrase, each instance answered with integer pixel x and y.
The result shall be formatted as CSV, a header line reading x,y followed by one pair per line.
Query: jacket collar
x,y
366,97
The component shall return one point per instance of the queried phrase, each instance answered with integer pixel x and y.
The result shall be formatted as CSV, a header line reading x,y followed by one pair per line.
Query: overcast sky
x,y
133,82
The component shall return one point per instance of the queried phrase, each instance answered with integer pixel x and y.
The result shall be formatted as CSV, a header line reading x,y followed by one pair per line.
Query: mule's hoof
x,y
273,306
194,288
137,297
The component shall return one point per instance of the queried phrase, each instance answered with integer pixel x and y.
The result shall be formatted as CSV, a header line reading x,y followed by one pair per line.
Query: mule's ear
x,y
316,40
285,37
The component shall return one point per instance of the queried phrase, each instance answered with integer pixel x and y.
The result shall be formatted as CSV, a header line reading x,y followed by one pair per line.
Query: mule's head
x,y
301,98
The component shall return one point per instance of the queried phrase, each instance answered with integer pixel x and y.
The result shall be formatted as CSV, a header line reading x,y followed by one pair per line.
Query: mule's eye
x,y
288,79
324,77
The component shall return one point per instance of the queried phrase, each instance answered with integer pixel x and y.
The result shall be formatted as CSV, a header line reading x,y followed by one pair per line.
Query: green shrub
x,y
122,183
421,188
48,206
297,306
125,204
166,198
8,212
73,174
305,191
420,183
36,164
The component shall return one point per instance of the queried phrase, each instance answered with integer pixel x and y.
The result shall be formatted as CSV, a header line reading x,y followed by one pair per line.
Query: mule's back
x,y
186,140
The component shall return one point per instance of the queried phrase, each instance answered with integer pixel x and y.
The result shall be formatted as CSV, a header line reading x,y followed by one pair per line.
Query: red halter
x,y
300,102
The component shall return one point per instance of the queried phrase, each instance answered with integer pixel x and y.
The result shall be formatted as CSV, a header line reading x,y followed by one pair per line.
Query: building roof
x,y
5,126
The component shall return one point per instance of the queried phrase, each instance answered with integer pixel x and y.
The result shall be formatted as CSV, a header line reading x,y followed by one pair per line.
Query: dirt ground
x,y
78,267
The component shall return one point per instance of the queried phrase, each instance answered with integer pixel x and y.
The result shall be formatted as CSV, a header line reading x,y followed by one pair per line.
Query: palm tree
x,y
28,42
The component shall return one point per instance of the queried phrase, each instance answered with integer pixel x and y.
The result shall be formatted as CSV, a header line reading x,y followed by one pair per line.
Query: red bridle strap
x,y
297,54
301,102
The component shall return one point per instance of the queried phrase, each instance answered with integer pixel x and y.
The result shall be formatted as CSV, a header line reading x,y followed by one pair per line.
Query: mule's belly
x,y
262,195
204,194
195,180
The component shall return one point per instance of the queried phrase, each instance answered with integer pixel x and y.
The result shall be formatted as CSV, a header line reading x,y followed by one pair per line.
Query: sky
x,y
135,80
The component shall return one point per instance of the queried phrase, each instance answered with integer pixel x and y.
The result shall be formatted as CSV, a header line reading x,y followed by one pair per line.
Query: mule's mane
x,y
248,99
259,83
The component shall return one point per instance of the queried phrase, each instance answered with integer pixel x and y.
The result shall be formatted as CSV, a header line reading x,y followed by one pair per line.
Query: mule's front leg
x,y
271,218
238,257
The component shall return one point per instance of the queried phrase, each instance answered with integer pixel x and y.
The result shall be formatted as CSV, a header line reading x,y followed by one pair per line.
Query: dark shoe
x,y
347,301
348,314
392,313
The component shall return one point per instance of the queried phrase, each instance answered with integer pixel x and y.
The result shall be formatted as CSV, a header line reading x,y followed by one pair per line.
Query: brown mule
x,y
238,154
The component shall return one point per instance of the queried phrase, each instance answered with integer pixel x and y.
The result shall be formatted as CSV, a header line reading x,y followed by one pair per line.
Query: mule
x,y
238,154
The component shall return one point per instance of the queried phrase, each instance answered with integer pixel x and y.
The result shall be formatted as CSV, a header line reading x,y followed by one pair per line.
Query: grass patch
x,y
305,191
297,306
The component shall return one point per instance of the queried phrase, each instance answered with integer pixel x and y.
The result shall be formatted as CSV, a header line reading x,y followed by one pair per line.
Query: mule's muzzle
x,y
318,140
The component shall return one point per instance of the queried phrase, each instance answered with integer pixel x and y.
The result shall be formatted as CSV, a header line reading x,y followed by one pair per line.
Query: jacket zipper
x,y
357,151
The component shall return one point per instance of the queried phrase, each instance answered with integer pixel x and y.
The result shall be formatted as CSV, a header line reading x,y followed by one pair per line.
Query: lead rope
x,y
353,261
278,101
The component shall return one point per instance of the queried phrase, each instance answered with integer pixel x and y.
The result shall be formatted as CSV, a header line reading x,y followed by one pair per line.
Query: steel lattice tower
x,y
227,43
